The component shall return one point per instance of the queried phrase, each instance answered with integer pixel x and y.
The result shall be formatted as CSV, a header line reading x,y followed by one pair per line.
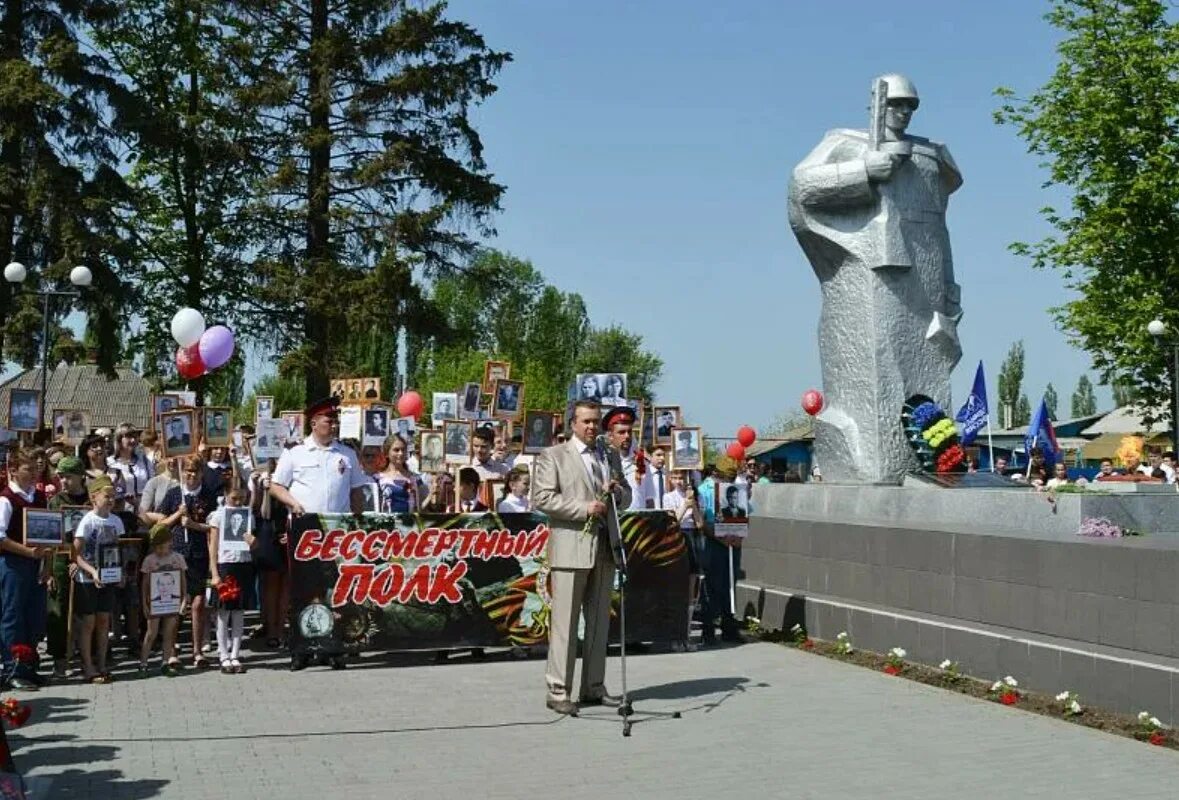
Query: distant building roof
x,y
1127,420
1080,426
804,431
83,387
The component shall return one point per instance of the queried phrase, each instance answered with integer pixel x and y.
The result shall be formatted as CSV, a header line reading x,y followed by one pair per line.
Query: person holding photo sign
x,y
230,540
22,594
73,493
94,597
164,561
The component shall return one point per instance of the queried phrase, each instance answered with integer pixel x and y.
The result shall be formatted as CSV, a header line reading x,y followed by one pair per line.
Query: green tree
x,y
1011,387
289,394
60,103
1084,402
375,165
1051,401
1124,392
188,213
1104,126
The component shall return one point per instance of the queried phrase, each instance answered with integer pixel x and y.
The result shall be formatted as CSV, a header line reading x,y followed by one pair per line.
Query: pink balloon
x,y
216,346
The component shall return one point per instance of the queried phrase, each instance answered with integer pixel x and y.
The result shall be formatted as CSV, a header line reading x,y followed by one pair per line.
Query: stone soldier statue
x,y
868,208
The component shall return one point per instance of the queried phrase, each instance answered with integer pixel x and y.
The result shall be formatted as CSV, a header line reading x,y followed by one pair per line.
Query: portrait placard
x,y
24,410
687,451
539,430
472,394
507,401
110,564
445,407
238,523
269,441
433,458
164,593
351,421
666,418
218,426
732,513
177,427
293,421
43,528
495,371
458,441
376,424
604,388
71,425
263,408
70,517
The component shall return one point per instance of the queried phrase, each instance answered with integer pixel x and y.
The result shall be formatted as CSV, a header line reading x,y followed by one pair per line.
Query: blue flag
x,y
1042,435
973,414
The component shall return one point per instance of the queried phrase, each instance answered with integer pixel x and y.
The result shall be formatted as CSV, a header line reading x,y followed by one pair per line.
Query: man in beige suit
x,y
567,483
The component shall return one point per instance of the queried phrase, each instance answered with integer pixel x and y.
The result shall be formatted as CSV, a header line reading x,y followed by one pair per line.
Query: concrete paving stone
x,y
759,720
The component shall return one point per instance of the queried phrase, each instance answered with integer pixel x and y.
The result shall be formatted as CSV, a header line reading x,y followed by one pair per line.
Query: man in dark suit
x,y
685,451
732,511
177,436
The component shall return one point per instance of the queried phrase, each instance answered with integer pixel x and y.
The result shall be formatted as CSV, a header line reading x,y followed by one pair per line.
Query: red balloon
x,y
409,404
746,435
188,362
812,401
736,451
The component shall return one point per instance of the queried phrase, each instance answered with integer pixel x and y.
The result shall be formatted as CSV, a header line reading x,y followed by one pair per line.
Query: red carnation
x,y
21,716
891,670
1009,698
1158,738
808,645
23,653
228,591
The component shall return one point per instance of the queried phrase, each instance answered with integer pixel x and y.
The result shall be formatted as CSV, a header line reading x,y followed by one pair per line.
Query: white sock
x,y
223,634
239,624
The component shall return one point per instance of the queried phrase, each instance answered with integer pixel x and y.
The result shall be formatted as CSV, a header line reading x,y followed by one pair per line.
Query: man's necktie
x,y
659,489
599,478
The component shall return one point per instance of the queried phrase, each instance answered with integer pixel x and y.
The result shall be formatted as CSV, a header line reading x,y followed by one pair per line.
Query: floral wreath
x,y
932,435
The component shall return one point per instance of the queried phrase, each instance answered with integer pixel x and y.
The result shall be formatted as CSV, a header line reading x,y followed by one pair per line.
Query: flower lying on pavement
x,y
1006,691
895,661
843,644
1069,703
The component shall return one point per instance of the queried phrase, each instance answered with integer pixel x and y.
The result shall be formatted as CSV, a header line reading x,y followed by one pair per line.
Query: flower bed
x,y
1064,706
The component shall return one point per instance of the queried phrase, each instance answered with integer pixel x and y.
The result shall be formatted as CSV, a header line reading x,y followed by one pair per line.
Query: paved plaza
x,y
759,720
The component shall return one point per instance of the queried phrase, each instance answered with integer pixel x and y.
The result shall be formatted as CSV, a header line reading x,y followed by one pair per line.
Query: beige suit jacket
x,y
561,488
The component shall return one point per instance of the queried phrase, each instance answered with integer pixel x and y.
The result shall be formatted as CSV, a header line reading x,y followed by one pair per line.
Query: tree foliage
x,y
1084,402
1011,394
1051,400
1106,128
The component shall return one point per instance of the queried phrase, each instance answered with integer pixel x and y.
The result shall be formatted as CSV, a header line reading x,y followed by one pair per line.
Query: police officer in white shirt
x,y
321,475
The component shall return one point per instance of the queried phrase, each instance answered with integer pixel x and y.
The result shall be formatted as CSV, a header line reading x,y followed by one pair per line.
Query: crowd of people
x,y
119,494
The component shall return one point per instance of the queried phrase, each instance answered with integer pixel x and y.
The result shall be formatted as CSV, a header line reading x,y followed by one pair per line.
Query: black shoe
x,y
732,636
477,654
604,699
298,663
562,706
24,684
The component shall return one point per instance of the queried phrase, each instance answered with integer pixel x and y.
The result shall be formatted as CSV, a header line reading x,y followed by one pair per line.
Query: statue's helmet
x,y
900,87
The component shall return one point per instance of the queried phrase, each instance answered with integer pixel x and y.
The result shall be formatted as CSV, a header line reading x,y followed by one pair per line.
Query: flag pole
x,y
1035,440
990,441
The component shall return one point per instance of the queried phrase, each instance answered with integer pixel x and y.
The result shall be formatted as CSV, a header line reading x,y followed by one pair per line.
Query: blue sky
x,y
646,148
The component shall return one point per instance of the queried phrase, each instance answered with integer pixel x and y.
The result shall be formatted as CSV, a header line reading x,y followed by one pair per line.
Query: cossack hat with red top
x,y
622,414
328,406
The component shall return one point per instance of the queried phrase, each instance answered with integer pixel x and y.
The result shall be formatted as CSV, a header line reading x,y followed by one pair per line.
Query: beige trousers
x,y
574,591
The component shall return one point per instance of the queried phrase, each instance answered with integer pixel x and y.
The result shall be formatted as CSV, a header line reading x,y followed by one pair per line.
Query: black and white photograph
x,y
70,426
351,422
458,441
263,408
372,496
433,458
237,524
405,427
606,388
218,426
732,514
43,528
177,429
161,403
24,410
538,430
666,418
495,371
294,423
687,451
445,407
338,387
472,393
164,593
507,401
496,426
269,440
70,517
376,425
110,564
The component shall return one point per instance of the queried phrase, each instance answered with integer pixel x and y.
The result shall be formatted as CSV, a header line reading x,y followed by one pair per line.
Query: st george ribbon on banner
x,y
974,413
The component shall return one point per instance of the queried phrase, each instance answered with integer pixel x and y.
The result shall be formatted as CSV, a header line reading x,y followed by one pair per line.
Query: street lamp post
x,y
15,273
1158,329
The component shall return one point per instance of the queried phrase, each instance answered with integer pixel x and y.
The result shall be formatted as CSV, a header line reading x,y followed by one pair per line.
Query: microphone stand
x,y
614,530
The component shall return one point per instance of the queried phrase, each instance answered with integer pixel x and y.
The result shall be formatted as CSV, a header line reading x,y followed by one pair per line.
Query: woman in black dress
x,y
190,538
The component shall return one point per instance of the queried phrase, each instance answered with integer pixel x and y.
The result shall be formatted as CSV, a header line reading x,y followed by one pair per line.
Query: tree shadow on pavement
x,y
697,687
61,773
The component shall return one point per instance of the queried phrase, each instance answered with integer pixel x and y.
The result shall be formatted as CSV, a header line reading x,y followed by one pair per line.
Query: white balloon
x,y
81,276
187,327
15,272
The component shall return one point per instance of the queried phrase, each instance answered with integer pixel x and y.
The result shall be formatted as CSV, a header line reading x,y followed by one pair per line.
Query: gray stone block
x,y
931,643
1043,669
921,591
906,636
1158,576
996,602
839,578
970,555
878,550
1151,690
976,655
941,594
1014,659
1117,622
1021,611
1113,685
1084,616
1152,627
821,535
850,544
1119,572
861,583
1051,612
796,573
1078,672
896,588
968,598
